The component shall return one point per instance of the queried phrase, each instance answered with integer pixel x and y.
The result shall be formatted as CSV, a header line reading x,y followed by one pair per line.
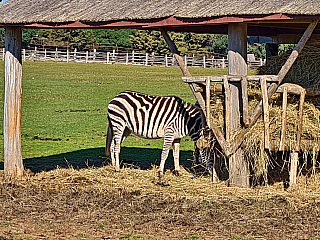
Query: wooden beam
x,y
300,118
227,107
283,119
244,93
13,164
208,112
266,121
203,79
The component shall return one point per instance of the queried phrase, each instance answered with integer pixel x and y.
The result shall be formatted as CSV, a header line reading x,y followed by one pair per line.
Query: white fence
x,y
133,58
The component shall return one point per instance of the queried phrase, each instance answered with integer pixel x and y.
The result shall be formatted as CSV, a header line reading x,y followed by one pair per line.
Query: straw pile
x,y
306,69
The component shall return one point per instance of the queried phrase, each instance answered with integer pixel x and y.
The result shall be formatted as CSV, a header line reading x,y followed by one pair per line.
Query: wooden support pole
x,y
238,138
13,164
244,91
227,96
284,119
266,121
294,158
300,120
237,57
208,112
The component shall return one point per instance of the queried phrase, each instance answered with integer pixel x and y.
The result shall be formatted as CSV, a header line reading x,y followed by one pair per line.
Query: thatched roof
x,y
37,11
176,15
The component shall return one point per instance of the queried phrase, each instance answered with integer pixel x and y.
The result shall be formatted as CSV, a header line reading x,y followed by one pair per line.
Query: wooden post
x,y
208,112
108,57
45,54
56,54
13,164
294,158
204,61
185,60
284,119
166,60
300,118
87,56
24,54
132,59
94,54
227,96
146,62
127,58
245,111
67,55
265,100
75,54
3,53
237,57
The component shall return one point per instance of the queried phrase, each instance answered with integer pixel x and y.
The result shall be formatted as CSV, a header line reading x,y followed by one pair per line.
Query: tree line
x,y
144,40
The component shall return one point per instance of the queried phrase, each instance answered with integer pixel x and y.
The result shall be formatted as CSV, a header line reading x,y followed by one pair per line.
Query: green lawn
x,y
64,109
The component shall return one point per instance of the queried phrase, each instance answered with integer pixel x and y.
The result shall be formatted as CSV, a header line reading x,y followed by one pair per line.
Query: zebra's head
x,y
204,148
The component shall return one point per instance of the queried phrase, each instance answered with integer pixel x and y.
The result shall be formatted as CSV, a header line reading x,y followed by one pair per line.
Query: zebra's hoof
x,y
177,172
160,174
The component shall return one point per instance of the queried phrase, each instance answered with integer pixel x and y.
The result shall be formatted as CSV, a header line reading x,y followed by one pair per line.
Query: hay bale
x,y
306,69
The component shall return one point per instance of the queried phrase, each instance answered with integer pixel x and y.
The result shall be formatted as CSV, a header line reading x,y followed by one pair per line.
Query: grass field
x,y
64,110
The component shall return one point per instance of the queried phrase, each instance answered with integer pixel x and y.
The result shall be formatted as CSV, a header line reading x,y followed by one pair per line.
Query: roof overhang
x,y
258,25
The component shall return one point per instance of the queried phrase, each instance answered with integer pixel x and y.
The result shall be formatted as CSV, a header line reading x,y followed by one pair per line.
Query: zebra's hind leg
x,y
168,140
116,147
176,156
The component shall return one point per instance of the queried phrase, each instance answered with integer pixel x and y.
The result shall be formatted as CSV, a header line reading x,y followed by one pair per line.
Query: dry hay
x,y
306,69
101,204
253,144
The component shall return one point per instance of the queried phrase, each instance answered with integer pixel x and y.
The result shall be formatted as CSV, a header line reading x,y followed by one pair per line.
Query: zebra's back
x,y
146,115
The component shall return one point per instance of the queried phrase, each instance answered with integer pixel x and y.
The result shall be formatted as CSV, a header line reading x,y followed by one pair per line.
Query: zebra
x,y
152,117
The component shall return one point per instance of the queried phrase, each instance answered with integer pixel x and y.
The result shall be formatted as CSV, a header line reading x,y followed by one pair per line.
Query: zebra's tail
x,y
109,138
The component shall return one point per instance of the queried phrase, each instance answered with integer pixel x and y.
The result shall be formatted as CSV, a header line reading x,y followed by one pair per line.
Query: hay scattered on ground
x,y
101,204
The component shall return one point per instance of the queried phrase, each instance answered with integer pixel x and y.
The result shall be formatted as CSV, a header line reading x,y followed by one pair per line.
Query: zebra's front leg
x,y
176,156
168,140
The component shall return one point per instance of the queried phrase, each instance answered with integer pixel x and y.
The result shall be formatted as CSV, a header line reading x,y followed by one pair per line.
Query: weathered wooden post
x,y
237,65
13,164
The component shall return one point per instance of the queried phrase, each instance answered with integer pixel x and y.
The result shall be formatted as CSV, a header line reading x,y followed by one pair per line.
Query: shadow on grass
x,y
142,158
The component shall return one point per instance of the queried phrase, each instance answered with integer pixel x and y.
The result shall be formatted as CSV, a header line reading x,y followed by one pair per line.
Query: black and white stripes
x,y
151,117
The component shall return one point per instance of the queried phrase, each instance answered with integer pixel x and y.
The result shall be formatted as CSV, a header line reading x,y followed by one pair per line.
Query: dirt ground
x,y
101,204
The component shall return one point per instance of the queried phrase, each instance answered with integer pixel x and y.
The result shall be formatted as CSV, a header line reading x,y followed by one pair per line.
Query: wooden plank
x,y
237,57
244,93
208,112
283,119
227,107
300,119
294,158
266,122
237,140
291,88
13,164
203,79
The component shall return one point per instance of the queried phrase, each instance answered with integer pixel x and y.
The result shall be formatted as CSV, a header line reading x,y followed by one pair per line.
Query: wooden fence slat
x,y
284,119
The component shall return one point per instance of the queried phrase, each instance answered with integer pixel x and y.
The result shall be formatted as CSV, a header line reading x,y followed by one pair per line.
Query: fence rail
x,y
132,58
